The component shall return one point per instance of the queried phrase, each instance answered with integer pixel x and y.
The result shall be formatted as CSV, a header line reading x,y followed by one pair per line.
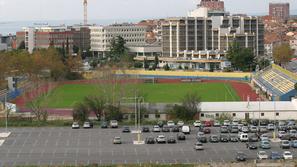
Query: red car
x,y
207,123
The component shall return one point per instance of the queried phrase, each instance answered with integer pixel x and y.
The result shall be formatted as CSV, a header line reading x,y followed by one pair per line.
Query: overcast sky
x,y
25,10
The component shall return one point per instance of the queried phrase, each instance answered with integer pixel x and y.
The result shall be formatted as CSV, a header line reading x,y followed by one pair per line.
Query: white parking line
x,y
1,142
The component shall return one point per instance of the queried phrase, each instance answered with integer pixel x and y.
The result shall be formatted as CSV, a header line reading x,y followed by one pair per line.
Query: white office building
x,y
134,35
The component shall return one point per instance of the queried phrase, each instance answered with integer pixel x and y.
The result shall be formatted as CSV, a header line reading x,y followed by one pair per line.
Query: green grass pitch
x,y
65,96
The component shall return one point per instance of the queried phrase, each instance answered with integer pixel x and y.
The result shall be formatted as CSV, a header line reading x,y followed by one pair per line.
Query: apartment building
x,y
279,10
134,35
200,41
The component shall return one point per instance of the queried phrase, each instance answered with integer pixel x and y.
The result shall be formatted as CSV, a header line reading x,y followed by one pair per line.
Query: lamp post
x,y
274,107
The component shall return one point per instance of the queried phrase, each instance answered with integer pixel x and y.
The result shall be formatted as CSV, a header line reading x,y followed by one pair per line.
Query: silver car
x,y
198,146
156,128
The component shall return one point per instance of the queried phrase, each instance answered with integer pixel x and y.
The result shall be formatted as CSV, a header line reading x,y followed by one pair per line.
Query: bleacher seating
x,y
275,81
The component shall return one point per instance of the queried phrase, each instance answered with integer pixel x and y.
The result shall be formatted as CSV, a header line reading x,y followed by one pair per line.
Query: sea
x,y
11,27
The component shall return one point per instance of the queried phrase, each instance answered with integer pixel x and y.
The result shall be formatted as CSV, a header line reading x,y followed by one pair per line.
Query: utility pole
x,y
6,112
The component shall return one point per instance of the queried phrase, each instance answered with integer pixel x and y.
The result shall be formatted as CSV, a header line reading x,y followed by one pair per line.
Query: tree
x,y
263,63
241,58
146,64
117,49
282,54
80,112
166,67
191,101
96,104
295,86
189,108
156,63
113,113
38,110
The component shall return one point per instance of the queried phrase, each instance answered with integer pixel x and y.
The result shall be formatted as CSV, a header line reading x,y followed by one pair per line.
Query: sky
x,y
25,10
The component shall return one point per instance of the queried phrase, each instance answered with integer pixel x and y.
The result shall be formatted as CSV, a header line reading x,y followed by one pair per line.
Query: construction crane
x,y
85,12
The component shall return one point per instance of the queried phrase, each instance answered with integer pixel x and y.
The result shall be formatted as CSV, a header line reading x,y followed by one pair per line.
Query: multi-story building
x,y
279,10
200,41
134,35
56,36
44,37
81,37
213,4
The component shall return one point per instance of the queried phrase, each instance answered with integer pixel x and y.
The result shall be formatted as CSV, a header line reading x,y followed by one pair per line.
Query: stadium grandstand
x,y
276,83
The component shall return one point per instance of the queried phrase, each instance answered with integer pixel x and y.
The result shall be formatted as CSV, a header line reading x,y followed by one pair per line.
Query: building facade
x,y
279,10
205,40
134,35
56,36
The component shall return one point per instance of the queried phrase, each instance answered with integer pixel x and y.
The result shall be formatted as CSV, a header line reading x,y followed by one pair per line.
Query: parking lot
x,y
53,146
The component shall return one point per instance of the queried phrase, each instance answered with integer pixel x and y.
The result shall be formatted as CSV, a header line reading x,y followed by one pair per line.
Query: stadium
x,y
168,87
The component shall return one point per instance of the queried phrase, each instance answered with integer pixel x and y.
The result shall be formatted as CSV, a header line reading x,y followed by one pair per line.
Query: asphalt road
x,y
57,146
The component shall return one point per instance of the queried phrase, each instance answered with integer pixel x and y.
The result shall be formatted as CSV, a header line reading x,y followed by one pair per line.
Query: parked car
x,y
206,130
224,138
253,129
287,155
117,140
180,123
175,129
113,124
197,123
285,144
233,138
253,138
207,123
294,143
161,139
265,144
214,139
251,146
281,134
216,124
104,125
245,129
171,140
150,140
270,127
75,125
181,136
262,155
293,134
145,129
202,139
240,156
264,137
275,155
198,146
126,129
165,128
234,129
186,129
243,137
156,128
226,123
200,134
224,129
170,124
88,125
263,129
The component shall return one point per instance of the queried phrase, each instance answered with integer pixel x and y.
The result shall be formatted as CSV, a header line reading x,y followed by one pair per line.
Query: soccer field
x,y
67,95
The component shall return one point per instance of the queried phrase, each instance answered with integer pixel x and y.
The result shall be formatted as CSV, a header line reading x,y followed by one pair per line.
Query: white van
x,y
186,129
226,123
243,137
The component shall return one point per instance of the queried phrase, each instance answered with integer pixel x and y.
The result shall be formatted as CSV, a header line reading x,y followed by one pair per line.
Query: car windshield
x,y
287,153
